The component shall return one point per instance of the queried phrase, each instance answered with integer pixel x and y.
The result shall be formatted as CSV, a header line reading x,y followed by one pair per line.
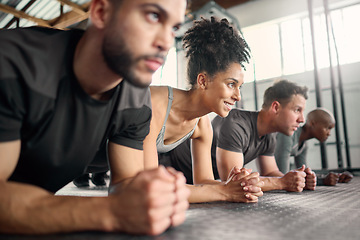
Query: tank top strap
x,y
170,97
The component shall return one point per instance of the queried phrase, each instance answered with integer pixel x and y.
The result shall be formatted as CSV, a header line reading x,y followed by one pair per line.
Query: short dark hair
x,y
211,46
282,91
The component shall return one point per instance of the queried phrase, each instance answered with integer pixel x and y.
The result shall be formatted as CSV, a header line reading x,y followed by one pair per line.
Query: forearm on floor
x,y
119,185
271,183
206,193
26,209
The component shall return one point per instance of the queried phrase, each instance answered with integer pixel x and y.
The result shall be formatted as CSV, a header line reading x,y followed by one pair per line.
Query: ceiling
x,y
64,13
47,13
197,4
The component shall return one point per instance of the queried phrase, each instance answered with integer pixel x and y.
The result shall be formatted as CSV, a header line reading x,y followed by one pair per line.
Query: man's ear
x,y
312,123
202,80
275,107
100,12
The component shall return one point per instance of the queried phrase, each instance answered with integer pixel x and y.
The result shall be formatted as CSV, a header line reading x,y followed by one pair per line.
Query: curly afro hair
x,y
211,46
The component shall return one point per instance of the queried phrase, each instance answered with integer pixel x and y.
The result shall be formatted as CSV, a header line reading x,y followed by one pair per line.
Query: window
x,y
265,49
285,47
292,47
351,34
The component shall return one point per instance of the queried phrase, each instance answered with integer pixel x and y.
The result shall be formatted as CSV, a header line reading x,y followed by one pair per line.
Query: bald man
x,y
319,123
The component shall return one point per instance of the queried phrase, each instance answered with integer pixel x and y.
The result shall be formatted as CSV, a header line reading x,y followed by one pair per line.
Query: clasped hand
x,y
243,185
152,201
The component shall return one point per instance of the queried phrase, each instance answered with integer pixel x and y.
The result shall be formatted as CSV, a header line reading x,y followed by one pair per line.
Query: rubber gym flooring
x,y
326,213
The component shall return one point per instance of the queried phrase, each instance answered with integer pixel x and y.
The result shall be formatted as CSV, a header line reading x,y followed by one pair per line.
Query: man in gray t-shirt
x,y
244,136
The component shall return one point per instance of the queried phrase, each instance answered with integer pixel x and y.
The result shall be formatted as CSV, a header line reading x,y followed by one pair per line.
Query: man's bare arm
x,y
144,206
48,213
293,181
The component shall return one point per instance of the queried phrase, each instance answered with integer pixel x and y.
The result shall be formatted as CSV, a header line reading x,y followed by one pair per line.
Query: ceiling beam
x,y
20,14
14,19
78,14
71,17
75,7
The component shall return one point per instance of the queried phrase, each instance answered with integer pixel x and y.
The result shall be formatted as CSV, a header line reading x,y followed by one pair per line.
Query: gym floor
x,y
326,213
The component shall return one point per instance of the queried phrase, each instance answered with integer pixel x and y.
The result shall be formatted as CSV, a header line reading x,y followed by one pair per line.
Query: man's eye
x,y
154,17
176,28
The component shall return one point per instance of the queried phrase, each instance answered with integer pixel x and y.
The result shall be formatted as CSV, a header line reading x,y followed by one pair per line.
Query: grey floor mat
x,y
327,213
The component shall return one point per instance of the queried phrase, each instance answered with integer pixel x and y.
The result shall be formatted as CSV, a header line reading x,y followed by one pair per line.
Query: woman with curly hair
x,y
216,53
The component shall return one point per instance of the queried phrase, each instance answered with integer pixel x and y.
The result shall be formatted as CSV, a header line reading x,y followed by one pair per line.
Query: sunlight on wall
x,y
265,51
167,74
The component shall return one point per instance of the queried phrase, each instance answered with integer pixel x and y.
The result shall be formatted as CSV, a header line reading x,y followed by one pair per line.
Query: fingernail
x,y
242,184
245,188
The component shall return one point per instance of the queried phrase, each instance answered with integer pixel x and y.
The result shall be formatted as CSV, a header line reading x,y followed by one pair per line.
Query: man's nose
x,y
165,39
301,118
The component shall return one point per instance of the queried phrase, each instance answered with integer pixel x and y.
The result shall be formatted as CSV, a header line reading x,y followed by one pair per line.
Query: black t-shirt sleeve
x,y
12,107
138,126
11,110
232,135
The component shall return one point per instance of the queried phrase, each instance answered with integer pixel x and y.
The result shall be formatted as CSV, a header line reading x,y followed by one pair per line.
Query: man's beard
x,y
119,59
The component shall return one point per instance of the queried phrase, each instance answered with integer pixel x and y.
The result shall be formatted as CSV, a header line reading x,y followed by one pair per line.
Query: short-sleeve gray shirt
x,y
238,133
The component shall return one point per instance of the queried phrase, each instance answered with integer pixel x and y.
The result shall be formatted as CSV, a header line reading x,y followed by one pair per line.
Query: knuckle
x,y
155,229
150,186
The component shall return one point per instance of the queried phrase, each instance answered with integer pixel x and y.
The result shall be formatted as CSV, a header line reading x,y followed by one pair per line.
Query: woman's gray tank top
x,y
161,147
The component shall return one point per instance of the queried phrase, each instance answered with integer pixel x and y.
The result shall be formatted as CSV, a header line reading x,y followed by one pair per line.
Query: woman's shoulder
x,y
159,102
159,95
203,128
158,90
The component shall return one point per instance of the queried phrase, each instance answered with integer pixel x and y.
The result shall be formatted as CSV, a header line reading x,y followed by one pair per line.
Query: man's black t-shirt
x,y
61,128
